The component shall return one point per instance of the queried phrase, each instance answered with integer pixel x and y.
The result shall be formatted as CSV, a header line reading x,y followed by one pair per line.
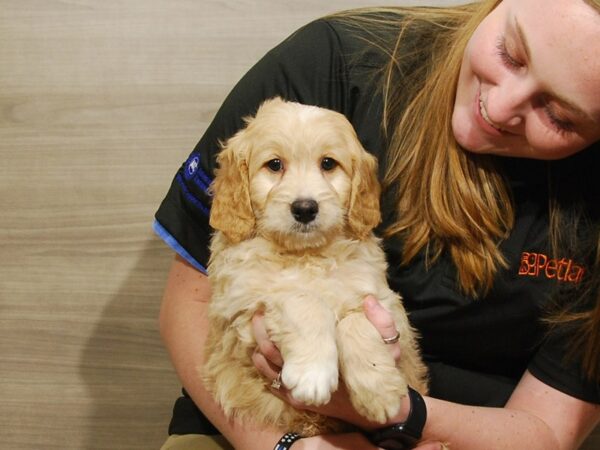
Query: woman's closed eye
x,y
558,123
510,61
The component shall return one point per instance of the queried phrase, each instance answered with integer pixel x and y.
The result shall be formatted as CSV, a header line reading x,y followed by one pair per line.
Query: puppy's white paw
x,y
310,384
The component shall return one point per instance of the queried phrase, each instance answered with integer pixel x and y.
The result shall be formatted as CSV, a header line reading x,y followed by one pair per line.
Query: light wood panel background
x,y
100,101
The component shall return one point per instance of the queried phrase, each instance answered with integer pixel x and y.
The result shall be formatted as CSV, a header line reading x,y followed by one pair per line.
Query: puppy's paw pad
x,y
311,385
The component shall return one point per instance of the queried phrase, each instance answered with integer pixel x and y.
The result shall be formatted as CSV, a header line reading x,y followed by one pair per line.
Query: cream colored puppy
x,y
295,201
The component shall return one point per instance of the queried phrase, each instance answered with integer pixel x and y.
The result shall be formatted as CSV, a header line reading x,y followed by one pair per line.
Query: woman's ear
x,y
363,212
231,210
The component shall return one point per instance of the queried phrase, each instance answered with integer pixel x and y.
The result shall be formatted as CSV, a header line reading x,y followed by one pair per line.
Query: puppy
x,y
295,200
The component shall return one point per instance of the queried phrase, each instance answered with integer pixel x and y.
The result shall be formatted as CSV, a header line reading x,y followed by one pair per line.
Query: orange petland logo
x,y
561,269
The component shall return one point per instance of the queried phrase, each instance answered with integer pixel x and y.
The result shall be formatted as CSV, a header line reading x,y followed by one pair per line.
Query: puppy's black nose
x,y
305,211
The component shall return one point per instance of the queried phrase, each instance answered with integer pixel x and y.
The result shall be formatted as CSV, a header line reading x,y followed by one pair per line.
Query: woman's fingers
x,y
266,357
383,321
264,366
380,317
265,345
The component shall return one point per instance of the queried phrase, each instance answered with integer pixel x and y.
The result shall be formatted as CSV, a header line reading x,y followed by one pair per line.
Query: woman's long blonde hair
x,y
449,200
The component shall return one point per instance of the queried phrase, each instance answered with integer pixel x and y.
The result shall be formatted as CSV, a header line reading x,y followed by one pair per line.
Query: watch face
x,y
401,443
394,437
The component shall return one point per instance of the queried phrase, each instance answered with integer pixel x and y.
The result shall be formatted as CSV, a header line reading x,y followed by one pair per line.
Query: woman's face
x,y
529,84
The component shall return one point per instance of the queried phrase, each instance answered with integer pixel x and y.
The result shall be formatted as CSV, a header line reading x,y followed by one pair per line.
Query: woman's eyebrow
x,y
563,102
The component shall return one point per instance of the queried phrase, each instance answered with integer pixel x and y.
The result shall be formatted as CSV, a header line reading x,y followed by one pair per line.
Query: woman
x,y
486,122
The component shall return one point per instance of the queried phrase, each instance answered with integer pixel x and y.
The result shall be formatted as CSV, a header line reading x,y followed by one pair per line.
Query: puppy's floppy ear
x,y
231,211
363,212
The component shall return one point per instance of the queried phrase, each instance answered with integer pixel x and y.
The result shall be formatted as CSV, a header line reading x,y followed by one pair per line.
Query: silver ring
x,y
392,340
276,383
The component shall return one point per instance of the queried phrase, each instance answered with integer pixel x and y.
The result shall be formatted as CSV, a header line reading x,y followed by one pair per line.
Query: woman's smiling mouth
x,y
485,116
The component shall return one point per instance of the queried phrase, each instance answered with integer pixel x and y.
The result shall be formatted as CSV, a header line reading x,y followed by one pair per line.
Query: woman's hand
x,y
268,361
535,424
383,321
350,441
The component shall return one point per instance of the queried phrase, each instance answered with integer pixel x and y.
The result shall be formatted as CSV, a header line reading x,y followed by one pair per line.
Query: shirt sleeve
x,y
308,67
556,365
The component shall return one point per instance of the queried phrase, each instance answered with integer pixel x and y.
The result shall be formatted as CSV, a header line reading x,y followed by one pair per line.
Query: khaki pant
x,y
196,442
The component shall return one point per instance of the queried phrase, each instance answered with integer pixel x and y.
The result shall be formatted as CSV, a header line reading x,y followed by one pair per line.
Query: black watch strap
x,y
404,435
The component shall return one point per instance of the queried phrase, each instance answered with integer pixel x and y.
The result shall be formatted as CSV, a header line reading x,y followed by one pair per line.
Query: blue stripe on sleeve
x,y
191,197
175,245
193,172
203,180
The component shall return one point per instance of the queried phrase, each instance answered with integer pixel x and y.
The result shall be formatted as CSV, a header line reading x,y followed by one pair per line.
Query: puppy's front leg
x,y
375,385
303,328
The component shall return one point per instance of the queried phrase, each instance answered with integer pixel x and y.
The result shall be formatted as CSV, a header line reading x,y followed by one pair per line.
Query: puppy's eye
x,y
275,165
328,164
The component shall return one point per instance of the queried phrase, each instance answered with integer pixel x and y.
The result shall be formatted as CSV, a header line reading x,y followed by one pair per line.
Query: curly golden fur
x,y
296,198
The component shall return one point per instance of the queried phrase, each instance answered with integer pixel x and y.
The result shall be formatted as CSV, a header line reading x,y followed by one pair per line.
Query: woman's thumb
x,y
380,317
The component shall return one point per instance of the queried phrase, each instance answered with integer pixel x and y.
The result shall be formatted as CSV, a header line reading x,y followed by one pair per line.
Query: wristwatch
x,y
405,435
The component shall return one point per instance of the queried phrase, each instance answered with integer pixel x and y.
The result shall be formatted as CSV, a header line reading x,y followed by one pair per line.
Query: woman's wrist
x,y
404,434
350,441
287,440
400,417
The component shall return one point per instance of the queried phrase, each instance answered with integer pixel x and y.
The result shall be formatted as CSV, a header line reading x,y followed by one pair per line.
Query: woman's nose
x,y
508,102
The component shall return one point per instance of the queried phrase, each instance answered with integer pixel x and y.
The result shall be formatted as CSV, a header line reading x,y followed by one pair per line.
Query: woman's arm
x,y
535,417
184,327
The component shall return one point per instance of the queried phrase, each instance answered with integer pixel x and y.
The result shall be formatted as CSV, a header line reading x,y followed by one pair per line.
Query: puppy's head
x,y
296,175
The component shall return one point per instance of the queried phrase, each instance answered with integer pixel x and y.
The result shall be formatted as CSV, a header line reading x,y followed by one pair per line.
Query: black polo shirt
x,y
476,349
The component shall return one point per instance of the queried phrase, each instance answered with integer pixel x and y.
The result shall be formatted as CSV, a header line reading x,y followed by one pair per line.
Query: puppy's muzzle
x,y
304,210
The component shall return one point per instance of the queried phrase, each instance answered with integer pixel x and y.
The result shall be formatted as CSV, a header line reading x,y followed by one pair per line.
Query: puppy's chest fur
x,y
255,272
312,303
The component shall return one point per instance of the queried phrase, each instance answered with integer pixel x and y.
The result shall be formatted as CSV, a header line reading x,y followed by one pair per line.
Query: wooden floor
x,y
100,102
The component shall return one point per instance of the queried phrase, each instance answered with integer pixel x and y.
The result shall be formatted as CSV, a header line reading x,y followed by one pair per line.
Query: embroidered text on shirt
x,y
563,269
